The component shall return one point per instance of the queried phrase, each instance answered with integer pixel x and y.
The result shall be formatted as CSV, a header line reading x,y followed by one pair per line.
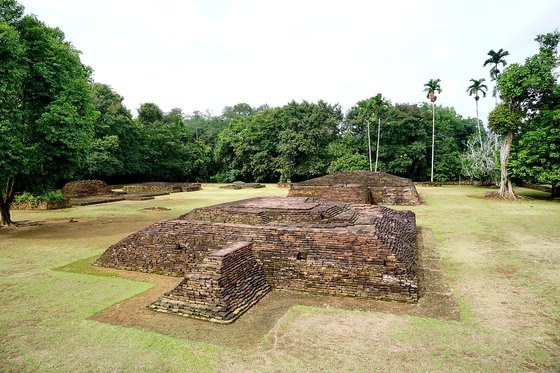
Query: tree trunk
x,y
433,139
506,189
5,216
478,125
6,202
369,145
377,147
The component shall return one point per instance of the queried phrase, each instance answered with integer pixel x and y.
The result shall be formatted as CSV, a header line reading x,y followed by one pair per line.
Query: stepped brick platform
x,y
223,286
231,254
359,187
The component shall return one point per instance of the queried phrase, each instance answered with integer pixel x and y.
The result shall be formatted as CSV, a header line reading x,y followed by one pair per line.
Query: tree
x,y
431,88
475,88
246,149
496,59
286,143
46,111
149,113
306,130
526,89
116,144
504,121
344,156
169,150
479,160
535,155
376,105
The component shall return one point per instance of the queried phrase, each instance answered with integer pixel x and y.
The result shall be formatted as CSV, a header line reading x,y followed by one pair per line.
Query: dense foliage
x,y
528,119
34,200
46,110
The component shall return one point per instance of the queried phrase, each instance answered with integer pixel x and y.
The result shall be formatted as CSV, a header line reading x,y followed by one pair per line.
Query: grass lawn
x,y
502,260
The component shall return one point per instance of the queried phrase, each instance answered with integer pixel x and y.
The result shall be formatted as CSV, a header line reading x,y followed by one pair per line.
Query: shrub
x,y
51,196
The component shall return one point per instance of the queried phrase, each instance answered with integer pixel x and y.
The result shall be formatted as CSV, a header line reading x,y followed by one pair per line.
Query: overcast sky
x,y
204,55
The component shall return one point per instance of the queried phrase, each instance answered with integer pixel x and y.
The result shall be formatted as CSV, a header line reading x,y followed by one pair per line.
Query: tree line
x,y
294,142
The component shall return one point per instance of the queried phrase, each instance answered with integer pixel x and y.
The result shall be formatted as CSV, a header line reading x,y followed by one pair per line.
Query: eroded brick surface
x,y
226,283
231,254
359,187
85,188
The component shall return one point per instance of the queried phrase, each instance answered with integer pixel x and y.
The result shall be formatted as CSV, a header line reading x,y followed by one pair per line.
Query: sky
x,y
205,55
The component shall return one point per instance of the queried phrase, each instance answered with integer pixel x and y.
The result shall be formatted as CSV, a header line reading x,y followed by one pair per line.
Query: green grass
x,y
85,266
502,260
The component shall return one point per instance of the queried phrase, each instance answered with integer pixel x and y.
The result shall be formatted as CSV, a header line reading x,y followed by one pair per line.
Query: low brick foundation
x,y
301,244
41,205
359,187
168,187
243,186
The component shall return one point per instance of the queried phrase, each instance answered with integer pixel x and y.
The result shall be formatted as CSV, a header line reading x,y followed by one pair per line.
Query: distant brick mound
x,y
243,186
85,188
158,186
232,254
359,187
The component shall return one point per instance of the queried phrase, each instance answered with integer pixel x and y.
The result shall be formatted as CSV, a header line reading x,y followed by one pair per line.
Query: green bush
x,y
349,162
51,196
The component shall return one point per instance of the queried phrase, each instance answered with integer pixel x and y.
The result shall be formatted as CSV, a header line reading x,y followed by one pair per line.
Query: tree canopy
x,y
47,114
530,102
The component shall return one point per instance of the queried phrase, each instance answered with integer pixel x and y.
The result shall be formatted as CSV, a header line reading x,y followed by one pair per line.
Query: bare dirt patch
x,y
76,227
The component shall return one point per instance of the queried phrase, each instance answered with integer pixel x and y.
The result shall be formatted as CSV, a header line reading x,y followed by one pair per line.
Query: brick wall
x,y
359,187
342,261
349,193
220,288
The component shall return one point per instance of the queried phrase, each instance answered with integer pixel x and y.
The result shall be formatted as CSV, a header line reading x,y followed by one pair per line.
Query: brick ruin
x,y
161,186
232,254
359,187
237,186
85,188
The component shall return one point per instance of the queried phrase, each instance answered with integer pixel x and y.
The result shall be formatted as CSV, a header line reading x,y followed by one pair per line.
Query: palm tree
x,y
475,88
379,105
431,88
496,58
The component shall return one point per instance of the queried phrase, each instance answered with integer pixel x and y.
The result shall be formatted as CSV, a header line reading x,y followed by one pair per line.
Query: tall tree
x,y
116,152
475,88
505,120
495,60
431,88
307,129
527,90
376,105
46,110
